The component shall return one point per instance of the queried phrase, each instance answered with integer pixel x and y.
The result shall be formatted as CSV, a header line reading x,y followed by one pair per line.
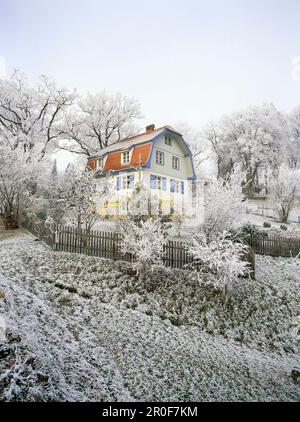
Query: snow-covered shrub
x,y
84,195
267,224
251,229
145,241
284,184
139,204
221,256
283,227
224,202
55,195
215,244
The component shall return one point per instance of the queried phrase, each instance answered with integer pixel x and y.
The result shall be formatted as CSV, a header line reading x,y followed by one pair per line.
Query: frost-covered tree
x,y
145,240
249,137
32,117
55,194
139,206
224,203
79,194
20,172
284,187
98,120
199,145
84,194
54,173
211,246
221,256
292,152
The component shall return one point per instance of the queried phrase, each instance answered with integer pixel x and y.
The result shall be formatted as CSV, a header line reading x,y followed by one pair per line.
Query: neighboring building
x,y
160,161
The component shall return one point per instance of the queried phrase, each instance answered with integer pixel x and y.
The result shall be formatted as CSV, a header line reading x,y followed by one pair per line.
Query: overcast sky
x,y
185,60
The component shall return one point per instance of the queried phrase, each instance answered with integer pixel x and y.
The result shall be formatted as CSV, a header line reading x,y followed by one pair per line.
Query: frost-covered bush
x,y
284,185
222,257
145,241
267,224
283,227
83,195
251,229
223,204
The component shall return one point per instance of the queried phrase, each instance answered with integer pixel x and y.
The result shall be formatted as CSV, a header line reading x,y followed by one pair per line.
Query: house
x,y
157,161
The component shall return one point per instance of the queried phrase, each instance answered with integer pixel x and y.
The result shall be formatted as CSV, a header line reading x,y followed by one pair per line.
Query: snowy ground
x,y
293,229
259,220
78,328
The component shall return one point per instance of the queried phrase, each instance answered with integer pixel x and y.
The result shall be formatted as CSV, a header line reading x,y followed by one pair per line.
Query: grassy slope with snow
x,y
81,329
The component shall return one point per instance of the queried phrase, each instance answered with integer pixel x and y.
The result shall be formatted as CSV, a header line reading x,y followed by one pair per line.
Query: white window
x,y
168,141
128,182
160,158
174,186
158,182
99,164
125,157
176,163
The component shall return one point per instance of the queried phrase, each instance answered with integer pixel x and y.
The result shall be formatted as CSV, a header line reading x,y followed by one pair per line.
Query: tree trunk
x,y
10,222
227,293
284,215
248,187
142,269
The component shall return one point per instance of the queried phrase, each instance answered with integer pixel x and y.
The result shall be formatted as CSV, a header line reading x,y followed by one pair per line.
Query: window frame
x,y
127,182
175,186
158,182
168,141
123,154
175,160
100,163
160,154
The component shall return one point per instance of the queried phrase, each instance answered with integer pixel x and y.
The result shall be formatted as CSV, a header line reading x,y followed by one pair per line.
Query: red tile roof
x,y
141,144
134,140
140,156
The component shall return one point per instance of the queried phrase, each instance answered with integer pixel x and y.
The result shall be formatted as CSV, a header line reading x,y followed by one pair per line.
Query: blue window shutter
x,y
182,187
118,183
164,183
131,181
172,185
152,181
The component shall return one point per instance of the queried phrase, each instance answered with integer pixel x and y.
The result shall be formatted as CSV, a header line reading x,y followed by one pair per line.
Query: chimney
x,y
150,128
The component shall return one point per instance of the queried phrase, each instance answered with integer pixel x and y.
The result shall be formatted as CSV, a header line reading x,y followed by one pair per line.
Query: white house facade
x,y
160,162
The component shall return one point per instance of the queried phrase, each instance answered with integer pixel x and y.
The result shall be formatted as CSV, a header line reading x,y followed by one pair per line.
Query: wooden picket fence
x,y
106,244
274,246
101,244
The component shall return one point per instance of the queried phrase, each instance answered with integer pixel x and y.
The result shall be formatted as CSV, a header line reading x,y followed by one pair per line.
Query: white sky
x,y
184,60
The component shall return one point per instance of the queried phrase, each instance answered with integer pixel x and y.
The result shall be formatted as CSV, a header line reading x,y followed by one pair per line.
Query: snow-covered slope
x,y
80,329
